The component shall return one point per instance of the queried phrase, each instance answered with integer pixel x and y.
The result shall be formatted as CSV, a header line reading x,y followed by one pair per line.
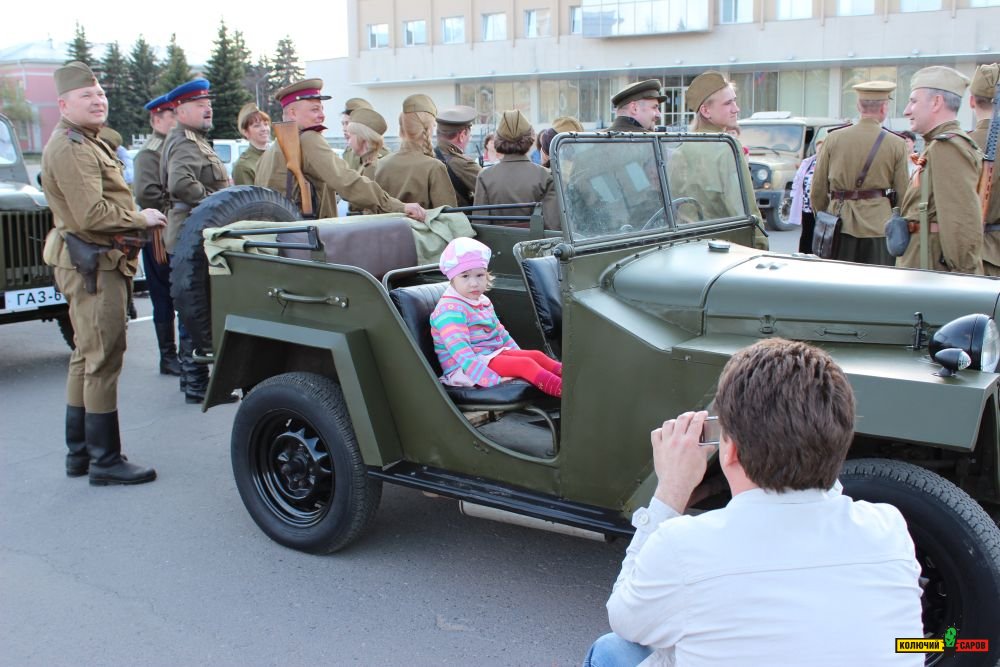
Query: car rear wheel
x,y
297,464
957,546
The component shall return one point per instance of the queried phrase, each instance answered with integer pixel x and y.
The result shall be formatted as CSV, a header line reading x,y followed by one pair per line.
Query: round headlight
x,y
977,335
761,174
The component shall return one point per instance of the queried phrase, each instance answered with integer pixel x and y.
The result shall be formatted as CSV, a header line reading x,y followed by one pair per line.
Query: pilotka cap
x,y
941,78
513,125
72,76
984,81
356,103
369,118
420,102
702,87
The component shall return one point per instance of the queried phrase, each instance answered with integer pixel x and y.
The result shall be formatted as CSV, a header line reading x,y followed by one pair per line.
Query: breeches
x,y
158,282
99,322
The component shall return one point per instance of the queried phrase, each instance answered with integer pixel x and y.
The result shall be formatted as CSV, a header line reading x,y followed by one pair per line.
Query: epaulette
x,y
839,127
153,144
75,135
191,134
892,131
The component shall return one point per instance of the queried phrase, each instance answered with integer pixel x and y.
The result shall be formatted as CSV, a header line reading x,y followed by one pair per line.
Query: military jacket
x,y
86,190
991,240
146,184
329,176
464,169
626,124
353,160
838,166
414,176
952,203
191,171
246,166
517,179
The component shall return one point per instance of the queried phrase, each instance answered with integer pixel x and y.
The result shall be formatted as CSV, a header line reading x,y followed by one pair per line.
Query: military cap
x,y
874,90
369,118
304,89
456,117
72,76
567,124
702,87
941,78
246,111
356,103
111,136
419,102
196,89
651,89
984,81
513,125
161,103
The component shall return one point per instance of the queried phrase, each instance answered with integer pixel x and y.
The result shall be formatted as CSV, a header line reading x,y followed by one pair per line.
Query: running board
x,y
511,499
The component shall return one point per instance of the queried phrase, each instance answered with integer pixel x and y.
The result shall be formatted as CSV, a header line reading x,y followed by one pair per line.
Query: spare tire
x,y
189,266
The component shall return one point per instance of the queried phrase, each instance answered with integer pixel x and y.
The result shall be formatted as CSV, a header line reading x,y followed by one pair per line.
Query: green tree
x,y
144,72
115,80
285,69
256,83
176,70
79,48
13,103
226,70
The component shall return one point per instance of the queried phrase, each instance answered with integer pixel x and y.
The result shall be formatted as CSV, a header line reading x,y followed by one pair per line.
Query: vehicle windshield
x,y
621,187
8,154
785,138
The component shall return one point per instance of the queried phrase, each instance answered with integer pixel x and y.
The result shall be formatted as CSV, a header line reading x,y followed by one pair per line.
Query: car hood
x,y
20,197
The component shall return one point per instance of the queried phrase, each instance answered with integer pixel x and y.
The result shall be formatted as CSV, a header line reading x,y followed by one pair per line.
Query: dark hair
x,y
518,146
982,102
544,141
789,409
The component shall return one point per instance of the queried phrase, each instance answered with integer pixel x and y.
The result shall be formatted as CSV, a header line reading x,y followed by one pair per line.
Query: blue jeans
x,y
610,650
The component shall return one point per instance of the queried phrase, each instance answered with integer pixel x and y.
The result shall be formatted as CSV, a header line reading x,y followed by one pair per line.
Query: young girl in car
x,y
472,345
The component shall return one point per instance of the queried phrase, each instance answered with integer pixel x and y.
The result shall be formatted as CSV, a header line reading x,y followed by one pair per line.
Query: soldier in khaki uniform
x,y
91,202
350,156
255,126
637,107
982,89
865,208
149,193
365,138
413,173
454,130
955,234
515,178
302,102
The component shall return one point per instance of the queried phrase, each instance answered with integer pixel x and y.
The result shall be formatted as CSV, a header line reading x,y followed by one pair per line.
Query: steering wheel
x,y
675,205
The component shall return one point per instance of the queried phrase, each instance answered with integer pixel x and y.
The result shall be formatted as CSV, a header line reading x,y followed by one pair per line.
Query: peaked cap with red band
x,y
196,89
306,89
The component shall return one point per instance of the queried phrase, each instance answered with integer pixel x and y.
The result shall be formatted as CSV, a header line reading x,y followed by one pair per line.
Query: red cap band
x,y
306,94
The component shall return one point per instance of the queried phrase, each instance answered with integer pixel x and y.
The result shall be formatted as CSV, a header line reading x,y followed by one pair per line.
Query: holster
x,y
128,244
84,256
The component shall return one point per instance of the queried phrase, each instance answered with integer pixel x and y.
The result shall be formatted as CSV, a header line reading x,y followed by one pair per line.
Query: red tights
x,y
531,365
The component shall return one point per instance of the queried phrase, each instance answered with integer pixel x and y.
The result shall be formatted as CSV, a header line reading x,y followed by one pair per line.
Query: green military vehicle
x,y
778,142
644,298
27,288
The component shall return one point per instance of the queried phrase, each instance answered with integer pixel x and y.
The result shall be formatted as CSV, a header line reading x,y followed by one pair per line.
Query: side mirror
x,y
975,335
952,361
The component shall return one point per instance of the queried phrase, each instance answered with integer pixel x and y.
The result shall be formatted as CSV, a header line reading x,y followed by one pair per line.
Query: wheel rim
x,y
291,468
943,593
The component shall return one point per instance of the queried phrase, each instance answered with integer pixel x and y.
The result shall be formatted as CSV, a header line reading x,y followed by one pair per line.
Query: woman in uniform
x,y
364,132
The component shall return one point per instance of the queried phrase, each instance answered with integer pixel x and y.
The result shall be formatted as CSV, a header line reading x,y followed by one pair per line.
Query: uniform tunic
x,y
837,169
146,184
86,191
991,240
246,166
329,176
957,246
626,124
416,177
464,169
192,172
517,179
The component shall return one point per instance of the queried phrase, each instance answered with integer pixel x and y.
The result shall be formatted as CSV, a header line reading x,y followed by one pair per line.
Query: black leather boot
x,y
77,459
107,465
194,376
169,364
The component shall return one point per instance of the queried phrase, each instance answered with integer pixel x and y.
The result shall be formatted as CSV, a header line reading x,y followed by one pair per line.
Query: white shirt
x,y
794,578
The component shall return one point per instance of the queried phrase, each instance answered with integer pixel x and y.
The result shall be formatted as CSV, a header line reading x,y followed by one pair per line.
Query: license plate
x,y
32,299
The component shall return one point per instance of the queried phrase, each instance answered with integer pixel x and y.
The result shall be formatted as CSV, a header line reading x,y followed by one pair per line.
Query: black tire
x,y
957,544
189,266
66,329
776,221
298,467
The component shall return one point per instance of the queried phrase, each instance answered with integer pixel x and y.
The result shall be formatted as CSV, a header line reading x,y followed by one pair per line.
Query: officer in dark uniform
x,y
91,204
454,130
637,107
149,194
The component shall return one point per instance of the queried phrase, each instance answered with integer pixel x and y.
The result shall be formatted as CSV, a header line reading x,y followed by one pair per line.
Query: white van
x,y
229,151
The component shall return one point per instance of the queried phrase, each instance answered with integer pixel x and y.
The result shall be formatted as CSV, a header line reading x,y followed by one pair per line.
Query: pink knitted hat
x,y
464,254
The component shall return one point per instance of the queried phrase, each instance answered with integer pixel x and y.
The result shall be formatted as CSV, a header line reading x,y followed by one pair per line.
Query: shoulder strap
x,y
925,180
455,182
870,159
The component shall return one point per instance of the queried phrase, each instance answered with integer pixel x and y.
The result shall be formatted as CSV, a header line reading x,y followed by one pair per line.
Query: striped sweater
x,y
467,334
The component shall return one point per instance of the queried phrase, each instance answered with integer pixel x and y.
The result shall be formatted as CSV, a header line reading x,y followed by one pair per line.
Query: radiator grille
x,y
23,239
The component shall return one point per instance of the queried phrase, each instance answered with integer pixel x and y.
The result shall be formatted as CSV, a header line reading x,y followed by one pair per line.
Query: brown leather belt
x,y
857,194
915,227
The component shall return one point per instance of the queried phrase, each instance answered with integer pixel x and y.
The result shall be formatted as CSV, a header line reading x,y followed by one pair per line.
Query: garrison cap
x,y
513,125
420,102
456,118
702,87
874,90
369,118
113,137
304,89
942,78
161,103
643,90
246,111
72,76
984,81
567,124
355,103
196,89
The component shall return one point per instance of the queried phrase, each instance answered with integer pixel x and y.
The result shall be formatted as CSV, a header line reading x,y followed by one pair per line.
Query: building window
x,y
855,7
789,10
378,35
756,91
494,27
984,3
919,5
414,33
453,30
644,17
735,11
576,20
536,23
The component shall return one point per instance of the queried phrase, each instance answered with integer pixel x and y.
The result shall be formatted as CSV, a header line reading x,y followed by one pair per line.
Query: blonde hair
x,y
415,131
373,141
